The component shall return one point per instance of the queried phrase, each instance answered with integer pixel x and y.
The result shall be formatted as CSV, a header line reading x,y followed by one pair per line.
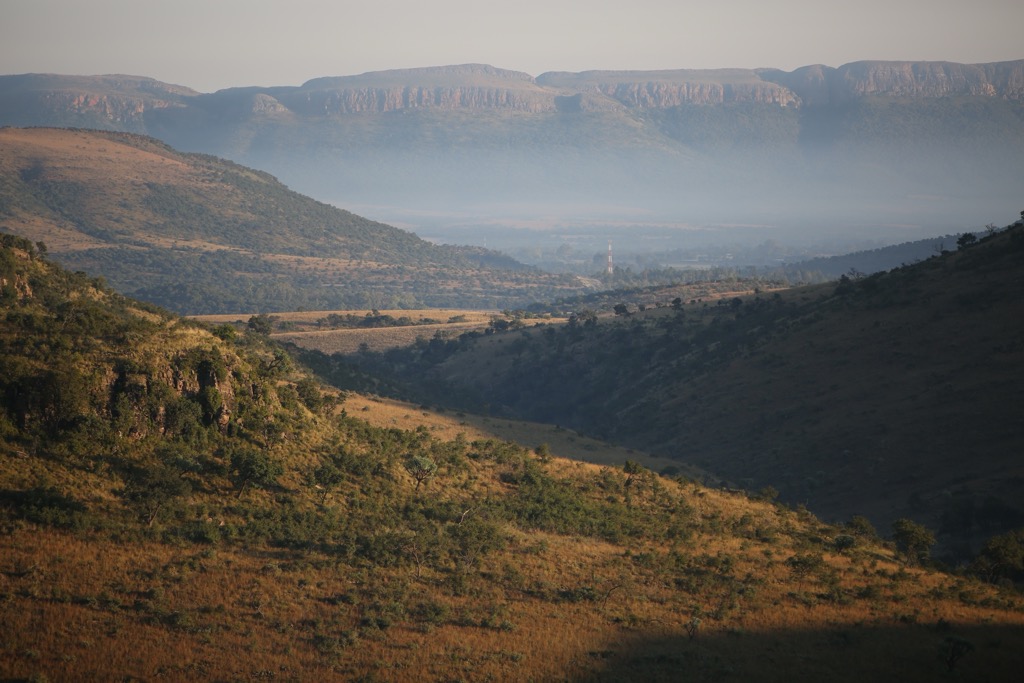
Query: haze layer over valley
x,y
866,154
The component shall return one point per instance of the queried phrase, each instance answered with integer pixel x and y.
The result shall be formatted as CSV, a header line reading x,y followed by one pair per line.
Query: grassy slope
x,y
503,566
891,396
200,234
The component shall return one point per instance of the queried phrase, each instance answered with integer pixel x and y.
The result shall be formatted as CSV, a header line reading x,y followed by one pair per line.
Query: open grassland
x,y
313,329
371,339
546,607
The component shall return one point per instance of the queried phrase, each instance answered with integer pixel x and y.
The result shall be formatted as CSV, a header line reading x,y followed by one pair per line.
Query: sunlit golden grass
x,y
79,608
307,330
546,607
311,317
348,341
563,443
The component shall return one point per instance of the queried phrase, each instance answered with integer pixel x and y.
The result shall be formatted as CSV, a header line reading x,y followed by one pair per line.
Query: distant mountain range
x,y
867,145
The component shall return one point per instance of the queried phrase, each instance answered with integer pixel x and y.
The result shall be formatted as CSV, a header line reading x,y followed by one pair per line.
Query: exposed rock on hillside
x,y
662,89
122,102
824,85
126,100
469,86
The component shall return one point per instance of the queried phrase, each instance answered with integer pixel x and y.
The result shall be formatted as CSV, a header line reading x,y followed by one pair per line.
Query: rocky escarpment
x,y
820,84
132,103
662,89
118,102
466,86
382,100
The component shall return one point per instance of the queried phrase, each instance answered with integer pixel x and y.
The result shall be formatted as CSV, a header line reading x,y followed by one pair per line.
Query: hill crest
x,y
201,234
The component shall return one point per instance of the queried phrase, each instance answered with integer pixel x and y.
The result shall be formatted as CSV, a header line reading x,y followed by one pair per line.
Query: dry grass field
x,y
306,329
720,606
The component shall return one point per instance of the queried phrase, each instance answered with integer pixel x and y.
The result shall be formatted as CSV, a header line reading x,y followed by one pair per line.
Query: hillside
x,y
199,234
179,502
871,261
932,144
891,395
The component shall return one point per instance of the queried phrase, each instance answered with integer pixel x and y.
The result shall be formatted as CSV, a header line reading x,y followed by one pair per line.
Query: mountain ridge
x,y
931,143
863,77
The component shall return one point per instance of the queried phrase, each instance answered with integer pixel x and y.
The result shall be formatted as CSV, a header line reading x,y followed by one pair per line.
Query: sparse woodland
x,y
188,501
197,234
868,395
185,502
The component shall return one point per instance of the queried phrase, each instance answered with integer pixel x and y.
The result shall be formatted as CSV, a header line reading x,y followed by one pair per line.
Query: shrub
x,y
843,542
914,540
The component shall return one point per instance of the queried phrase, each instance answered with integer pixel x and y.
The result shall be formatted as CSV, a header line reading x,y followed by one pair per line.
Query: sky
x,y
212,44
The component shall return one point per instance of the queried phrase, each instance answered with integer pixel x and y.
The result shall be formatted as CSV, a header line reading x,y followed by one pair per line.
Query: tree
x,y
226,332
309,393
1002,557
913,540
279,364
421,468
633,470
261,324
472,539
860,525
250,467
152,489
843,543
966,240
953,649
325,478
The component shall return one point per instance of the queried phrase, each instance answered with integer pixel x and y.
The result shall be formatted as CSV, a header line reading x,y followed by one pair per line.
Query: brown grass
x,y
563,443
546,607
86,609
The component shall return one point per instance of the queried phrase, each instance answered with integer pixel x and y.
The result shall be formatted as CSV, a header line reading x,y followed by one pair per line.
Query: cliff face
x,y
119,102
825,85
117,109
124,102
381,100
447,88
911,79
664,89
663,95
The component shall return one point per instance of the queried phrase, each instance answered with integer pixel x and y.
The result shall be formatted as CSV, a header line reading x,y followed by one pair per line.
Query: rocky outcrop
x,y
118,102
382,100
825,85
910,79
461,87
265,104
662,89
125,102
116,109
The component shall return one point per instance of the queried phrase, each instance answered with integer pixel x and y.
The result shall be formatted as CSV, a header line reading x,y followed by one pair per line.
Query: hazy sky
x,y
213,44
